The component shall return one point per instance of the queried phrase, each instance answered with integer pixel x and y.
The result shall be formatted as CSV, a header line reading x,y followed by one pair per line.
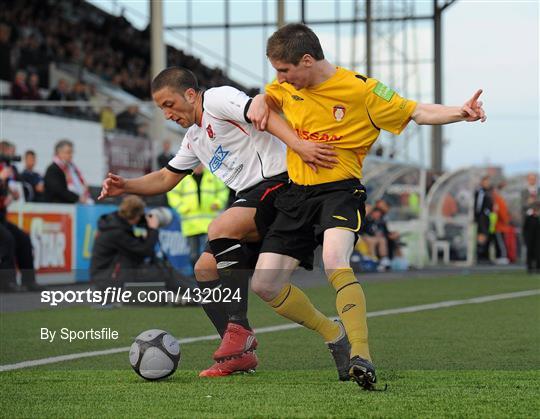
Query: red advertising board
x,y
51,236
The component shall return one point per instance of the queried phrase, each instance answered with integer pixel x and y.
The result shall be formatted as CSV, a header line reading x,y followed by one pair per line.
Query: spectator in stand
x,y
94,99
32,181
483,207
5,52
92,39
33,87
108,117
503,228
78,94
165,156
64,182
60,92
19,89
127,120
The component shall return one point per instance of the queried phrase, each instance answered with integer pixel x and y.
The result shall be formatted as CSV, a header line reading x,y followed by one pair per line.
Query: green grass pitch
x,y
475,360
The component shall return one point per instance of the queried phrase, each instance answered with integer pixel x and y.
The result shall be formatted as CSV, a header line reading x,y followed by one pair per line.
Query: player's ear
x,y
190,95
307,60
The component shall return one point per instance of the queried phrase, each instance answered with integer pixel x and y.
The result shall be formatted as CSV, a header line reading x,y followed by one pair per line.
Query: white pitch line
x,y
270,329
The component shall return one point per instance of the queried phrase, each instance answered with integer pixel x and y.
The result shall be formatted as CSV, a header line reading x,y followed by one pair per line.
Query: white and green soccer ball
x,y
155,354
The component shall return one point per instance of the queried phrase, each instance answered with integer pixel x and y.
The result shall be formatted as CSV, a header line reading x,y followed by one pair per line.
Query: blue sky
x,y
491,45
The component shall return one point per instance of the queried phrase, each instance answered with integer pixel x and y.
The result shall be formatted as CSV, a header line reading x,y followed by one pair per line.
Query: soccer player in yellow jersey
x,y
333,105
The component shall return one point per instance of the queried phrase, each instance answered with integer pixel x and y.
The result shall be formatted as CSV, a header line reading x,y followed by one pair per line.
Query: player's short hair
x,y
30,153
131,207
61,144
177,78
291,42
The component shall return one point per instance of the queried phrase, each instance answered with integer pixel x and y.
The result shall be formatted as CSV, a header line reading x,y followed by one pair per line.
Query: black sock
x,y
215,310
232,265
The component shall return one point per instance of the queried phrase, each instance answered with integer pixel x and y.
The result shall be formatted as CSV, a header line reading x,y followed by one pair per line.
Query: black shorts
x,y
305,212
262,197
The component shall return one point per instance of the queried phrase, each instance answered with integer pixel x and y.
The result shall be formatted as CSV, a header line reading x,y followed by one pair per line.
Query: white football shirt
x,y
228,145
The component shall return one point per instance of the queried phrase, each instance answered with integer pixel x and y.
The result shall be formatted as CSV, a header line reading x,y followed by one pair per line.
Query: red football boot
x,y
244,363
235,342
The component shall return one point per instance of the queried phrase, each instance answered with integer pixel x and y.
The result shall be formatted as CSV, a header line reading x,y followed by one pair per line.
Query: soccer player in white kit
x,y
250,162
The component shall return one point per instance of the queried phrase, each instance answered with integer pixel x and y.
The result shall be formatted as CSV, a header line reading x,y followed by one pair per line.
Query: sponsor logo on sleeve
x,y
383,91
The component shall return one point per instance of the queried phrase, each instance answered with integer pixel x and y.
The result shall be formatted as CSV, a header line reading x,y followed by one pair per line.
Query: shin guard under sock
x,y
234,275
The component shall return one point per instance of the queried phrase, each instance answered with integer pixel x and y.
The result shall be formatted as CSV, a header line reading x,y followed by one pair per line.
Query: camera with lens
x,y
163,215
4,158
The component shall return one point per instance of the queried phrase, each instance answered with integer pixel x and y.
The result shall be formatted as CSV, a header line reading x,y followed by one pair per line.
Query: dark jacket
x,y
483,203
117,252
57,95
30,181
56,189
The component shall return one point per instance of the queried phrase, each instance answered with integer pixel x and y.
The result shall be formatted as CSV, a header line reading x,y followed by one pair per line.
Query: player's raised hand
x,y
472,109
316,154
113,185
258,112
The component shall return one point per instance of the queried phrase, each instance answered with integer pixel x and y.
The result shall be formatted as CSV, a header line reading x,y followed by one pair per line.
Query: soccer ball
x,y
154,354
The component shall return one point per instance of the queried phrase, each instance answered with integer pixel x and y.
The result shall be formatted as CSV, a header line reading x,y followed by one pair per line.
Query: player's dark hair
x,y
30,153
291,42
177,78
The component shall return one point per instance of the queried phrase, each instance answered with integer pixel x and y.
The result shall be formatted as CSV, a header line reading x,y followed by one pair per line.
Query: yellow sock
x,y
351,307
293,304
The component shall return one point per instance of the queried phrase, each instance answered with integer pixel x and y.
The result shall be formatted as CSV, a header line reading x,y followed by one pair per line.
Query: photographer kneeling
x,y
118,253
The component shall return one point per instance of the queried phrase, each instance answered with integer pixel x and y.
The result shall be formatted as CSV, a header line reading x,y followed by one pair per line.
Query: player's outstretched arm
x,y
431,114
154,183
313,154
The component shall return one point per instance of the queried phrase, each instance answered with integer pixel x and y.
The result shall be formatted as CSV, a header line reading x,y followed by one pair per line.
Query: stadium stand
x,y
35,34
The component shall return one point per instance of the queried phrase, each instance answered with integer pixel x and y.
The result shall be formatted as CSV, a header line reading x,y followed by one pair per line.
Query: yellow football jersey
x,y
347,111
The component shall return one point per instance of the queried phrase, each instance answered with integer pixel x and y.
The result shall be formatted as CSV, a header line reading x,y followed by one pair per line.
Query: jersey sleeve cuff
x,y
179,171
246,109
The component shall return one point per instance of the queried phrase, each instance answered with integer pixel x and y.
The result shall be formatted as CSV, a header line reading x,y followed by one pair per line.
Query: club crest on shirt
x,y
339,112
210,131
